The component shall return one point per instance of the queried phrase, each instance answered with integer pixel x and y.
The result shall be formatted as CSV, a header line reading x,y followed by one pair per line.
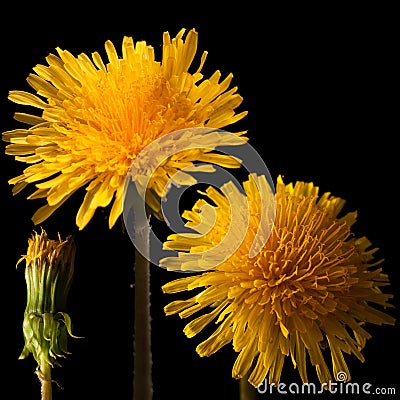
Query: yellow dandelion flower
x,y
310,290
97,117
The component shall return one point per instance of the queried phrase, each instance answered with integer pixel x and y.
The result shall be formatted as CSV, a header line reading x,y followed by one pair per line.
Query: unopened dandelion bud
x,y
46,327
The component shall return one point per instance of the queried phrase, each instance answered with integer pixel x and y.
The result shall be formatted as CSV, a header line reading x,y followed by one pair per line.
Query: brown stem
x,y
45,381
142,383
247,391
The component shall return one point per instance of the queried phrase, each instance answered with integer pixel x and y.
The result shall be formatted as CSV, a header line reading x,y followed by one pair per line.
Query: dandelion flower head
x,y
309,293
96,117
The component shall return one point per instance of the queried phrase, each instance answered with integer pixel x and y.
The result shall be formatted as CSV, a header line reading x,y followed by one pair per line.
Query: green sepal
x,y
68,324
46,336
25,353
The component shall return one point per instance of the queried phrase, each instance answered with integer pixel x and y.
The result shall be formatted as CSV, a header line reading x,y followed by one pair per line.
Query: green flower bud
x,y
48,275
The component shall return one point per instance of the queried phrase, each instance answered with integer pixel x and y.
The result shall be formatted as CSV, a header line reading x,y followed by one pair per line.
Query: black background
x,y
320,85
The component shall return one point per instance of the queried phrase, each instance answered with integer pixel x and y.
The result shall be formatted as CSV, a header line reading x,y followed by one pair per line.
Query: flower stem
x,y
45,381
247,391
142,383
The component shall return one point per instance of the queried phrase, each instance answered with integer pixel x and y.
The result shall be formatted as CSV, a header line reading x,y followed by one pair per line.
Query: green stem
x,y
45,381
247,391
142,383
